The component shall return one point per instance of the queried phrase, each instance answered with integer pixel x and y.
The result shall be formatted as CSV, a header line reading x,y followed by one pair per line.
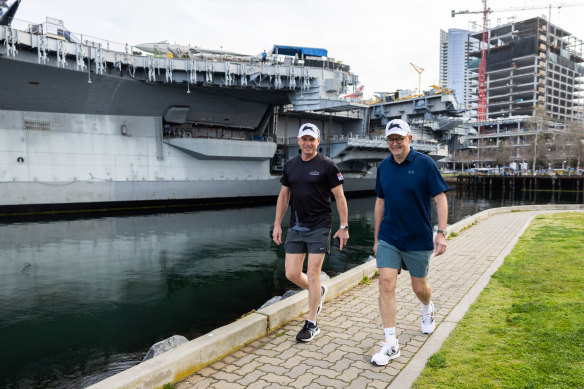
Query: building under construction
x,y
531,63
534,100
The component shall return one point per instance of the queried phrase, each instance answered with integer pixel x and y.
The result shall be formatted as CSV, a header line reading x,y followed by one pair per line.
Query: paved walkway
x,y
351,327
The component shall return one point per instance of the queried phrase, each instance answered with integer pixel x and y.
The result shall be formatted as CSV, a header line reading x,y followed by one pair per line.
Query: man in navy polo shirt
x,y
406,183
307,182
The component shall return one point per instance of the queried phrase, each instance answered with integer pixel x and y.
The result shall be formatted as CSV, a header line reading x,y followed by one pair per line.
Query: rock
x,y
271,301
165,345
291,292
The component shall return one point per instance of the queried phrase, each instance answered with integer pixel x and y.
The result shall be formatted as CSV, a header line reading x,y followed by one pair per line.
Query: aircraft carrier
x,y
90,124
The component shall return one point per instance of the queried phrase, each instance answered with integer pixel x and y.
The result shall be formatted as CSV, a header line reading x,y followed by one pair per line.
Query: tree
x,y
504,153
539,123
464,157
575,144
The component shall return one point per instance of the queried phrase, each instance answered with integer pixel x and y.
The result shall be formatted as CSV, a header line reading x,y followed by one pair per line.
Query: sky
x,y
377,38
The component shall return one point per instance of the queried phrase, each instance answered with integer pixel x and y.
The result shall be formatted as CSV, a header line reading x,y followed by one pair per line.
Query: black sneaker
x,y
308,332
324,290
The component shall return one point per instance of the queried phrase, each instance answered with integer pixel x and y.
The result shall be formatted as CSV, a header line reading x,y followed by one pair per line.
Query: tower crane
x,y
513,9
482,103
419,70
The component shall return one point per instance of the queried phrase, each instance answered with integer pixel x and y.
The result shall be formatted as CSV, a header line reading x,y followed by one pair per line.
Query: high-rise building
x,y
534,97
455,47
531,63
443,72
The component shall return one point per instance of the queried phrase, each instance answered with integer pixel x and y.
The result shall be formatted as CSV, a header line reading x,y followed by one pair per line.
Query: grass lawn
x,y
526,329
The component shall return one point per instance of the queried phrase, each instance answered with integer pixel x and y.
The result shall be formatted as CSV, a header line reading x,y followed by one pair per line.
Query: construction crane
x,y
513,9
419,70
482,103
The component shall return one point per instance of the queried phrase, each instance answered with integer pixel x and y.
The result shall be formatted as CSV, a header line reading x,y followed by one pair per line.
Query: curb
x,y
184,360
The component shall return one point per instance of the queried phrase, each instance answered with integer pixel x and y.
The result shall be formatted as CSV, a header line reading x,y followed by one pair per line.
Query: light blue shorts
x,y
417,262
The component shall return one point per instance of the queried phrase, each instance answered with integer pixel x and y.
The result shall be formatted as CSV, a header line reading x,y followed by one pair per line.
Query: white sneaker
x,y
387,353
428,324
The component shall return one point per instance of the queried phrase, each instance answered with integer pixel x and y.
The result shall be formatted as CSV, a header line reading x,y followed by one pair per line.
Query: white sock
x,y
389,334
426,308
311,322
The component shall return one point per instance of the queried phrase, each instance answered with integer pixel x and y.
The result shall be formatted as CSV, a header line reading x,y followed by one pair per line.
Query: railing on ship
x,y
377,138
218,133
55,28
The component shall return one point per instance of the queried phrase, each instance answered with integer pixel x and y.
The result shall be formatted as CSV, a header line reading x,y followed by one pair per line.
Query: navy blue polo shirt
x,y
408,189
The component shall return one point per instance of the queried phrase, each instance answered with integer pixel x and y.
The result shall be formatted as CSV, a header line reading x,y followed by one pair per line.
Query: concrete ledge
x,y
285,310
344,282
459,226
369,267
187,358
184,360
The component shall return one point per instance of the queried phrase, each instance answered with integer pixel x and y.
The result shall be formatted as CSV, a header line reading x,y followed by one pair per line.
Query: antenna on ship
x,y
89,66
7,12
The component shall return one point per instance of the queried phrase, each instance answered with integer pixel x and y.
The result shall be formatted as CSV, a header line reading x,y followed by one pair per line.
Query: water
x,y
84,299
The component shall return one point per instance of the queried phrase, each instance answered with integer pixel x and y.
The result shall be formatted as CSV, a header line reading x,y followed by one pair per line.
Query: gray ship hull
x,y
54,90
87,128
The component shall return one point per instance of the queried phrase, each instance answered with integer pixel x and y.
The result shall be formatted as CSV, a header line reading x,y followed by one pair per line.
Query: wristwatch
x,y
344,227
443,232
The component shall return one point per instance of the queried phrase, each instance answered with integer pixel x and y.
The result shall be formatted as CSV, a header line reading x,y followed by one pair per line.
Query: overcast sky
x,y
377,38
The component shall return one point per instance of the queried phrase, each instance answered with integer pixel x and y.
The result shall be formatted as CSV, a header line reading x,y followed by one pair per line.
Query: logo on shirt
x,y
411,172
340,176
314,173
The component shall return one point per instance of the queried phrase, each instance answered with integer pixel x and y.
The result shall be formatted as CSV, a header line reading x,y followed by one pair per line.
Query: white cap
x,y
309,129
398,127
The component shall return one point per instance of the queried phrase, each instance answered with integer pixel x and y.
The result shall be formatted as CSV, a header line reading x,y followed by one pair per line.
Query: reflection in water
x,y
83,299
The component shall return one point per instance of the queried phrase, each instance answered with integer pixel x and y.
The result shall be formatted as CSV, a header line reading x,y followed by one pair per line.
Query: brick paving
x,y
339,357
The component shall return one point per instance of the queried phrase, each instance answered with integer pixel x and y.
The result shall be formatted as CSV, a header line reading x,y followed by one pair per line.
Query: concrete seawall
x,y
195,359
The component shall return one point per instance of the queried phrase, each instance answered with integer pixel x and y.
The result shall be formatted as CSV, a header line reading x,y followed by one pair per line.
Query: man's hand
x,y
277,234
439,244
375,247
343,236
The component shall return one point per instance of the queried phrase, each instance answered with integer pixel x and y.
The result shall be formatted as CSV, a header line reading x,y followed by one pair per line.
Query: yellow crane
x,y
419,70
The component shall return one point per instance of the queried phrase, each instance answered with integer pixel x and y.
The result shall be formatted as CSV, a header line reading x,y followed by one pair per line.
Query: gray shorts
x,y
317,241
418,262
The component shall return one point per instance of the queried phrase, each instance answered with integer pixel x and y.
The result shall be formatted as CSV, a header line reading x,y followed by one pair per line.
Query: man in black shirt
x,y
307,183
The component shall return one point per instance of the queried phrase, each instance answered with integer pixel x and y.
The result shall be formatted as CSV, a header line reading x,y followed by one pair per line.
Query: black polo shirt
x,y
310,184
